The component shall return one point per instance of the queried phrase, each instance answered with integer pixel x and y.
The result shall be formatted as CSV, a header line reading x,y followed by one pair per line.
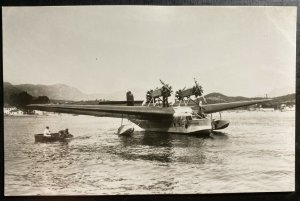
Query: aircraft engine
x,y
198,91
149,96
157,93
187,93
165,91
181,94
178,95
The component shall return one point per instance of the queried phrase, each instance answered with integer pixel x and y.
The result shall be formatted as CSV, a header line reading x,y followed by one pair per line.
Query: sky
x,y
247,51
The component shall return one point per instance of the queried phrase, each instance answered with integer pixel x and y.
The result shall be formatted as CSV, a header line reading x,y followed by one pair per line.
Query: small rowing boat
x,y
53,138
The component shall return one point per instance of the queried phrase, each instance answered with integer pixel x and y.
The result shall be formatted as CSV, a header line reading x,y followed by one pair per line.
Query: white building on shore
x,y
284,108
16,112
13,111
7,110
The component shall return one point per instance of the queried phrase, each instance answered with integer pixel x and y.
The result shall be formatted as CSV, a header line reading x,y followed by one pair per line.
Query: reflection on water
x,y
254,154
219,135
146,146
147,138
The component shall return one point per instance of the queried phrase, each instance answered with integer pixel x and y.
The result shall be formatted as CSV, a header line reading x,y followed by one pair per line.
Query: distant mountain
x,y
8,90
274,103
56,91
65,92
220,98
290,98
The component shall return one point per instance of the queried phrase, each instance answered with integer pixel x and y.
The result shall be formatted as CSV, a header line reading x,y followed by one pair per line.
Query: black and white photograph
x,y
143,100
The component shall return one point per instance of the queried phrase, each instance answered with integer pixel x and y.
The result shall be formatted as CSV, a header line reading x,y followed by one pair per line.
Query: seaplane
x,y
187,115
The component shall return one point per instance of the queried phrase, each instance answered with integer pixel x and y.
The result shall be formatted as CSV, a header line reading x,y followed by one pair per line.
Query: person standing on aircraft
x,y
47,132
165,102
166,92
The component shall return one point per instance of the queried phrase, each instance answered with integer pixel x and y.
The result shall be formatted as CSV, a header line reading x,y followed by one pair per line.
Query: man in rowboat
x,y
47,132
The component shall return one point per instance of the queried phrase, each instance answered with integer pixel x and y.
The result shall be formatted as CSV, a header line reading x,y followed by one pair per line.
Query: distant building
x,y
12,111
7,110
16,112
284,108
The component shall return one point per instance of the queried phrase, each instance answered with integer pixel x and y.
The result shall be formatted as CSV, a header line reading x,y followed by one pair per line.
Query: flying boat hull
x,y
179,126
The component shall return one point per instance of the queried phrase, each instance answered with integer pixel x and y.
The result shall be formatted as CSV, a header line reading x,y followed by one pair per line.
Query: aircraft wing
x,y
211,108
105,110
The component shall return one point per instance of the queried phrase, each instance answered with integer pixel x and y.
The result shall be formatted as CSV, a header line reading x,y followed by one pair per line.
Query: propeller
x,y
178,94
198,91
166,89
148,95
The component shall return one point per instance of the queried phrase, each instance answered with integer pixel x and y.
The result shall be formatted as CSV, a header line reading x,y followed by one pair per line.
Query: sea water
x,y
256,153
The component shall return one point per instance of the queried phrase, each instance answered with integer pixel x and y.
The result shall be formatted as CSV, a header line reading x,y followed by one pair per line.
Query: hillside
x,y
286,98
8,90
56,91
220,98
65,92
213,98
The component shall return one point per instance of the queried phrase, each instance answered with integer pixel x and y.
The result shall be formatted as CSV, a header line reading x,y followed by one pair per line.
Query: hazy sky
x,y
245,51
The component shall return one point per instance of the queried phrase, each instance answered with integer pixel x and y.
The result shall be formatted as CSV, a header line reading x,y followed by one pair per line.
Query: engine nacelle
x,y
153,96
187,92
156,93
